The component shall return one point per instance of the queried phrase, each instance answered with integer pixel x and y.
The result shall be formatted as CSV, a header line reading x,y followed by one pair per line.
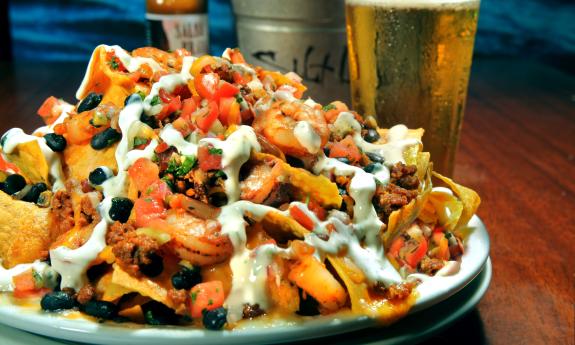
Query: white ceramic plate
x,y
432,291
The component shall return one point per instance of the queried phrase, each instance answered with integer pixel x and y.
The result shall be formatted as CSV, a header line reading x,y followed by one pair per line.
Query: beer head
x,y
415,3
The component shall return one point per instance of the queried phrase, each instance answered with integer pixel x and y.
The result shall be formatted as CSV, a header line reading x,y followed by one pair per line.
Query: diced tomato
x,y
202,63
227,90
5,166
207,117
162,147
158,189
209,161
239,78
46,110
442,243
346,149
79,130
60,129
334,109
317,209
207,85
143,173
397,244
147,209
206,296
188,107
164,96
413,258
25,285
174,105
230,111
301,217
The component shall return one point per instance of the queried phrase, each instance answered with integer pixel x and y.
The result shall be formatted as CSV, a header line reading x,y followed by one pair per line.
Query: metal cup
x,y
304,36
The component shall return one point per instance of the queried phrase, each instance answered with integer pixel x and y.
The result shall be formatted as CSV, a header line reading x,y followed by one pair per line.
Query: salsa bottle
x,y
174,24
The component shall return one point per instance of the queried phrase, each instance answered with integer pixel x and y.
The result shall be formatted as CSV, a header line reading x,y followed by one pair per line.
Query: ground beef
x,y
251,311
88,212
430,266
86,294
178,297
404,176
130,249
396,292
225,73
390,198
61,214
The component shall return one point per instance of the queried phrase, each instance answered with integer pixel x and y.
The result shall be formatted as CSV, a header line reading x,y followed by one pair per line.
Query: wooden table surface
x,y
517,150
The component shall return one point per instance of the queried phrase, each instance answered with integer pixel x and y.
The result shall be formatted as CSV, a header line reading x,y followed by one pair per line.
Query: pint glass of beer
x,y
409,63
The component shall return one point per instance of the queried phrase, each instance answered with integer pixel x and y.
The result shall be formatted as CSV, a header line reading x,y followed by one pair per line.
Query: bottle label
x,y
171,32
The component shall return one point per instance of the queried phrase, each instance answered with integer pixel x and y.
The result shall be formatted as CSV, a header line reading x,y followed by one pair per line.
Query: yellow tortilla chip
x,y
468,197
101,78
362,303
405,216
24,232
29,158
80,160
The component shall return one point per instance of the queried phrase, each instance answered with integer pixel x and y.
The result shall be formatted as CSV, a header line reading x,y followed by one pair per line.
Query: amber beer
x,y
410,62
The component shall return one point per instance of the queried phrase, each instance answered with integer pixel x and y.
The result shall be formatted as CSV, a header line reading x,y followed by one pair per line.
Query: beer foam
x,y
416,3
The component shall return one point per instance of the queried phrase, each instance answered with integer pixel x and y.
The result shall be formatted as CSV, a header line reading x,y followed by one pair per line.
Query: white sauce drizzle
x,y
16,136
307,136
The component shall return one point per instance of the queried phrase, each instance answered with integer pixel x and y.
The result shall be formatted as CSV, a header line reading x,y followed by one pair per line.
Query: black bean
x,y
371,136
99,175
326,151
343,160
214,319
186,278
104,139
218,199
374,157
154,267
34,192
100,309
55,142
341,191
58,300
120,209
156,314
151,121
90,102
14,183
371,167
308,306
133,98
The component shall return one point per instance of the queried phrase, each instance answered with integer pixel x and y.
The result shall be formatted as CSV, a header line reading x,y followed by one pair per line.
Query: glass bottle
x,y
174,24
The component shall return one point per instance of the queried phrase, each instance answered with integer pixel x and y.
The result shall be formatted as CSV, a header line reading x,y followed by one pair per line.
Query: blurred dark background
x,y
68,30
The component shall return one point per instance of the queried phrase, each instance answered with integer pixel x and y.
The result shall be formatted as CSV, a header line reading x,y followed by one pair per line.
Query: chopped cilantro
x,y
194,296
215,151
140,141
38,280
182,168
155,100
169,182
328,107
210,301
220,173
239,98
114,63
186,166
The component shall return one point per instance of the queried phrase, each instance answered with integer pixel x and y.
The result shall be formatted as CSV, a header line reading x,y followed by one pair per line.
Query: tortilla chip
x,y
80,160
303,184
467,196
405,216
28,157
24,232
101,78
362,303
